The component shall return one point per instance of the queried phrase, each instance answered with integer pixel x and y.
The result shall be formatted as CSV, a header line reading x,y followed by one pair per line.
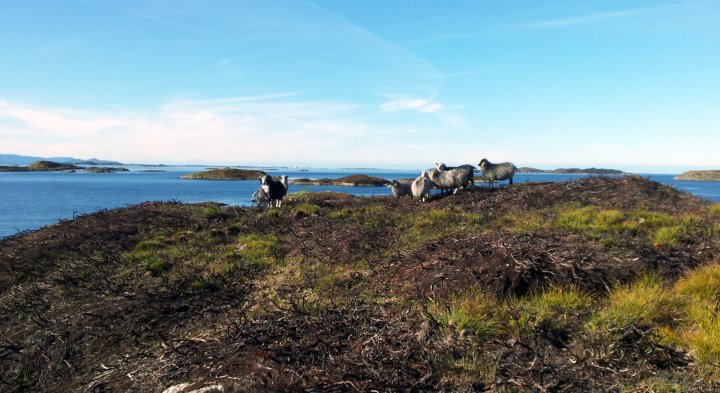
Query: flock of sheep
x,y
271,192
452,178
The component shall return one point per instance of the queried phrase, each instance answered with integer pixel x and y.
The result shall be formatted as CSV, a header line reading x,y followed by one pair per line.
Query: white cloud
x,y
420,105
264,130
580,20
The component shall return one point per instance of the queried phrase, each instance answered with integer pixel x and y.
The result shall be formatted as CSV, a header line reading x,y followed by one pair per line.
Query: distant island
x,y
105,169
42,166
225,174
349,181
580,171
709,175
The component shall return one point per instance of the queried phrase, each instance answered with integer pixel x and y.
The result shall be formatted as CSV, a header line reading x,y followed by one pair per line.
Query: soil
x,y
75,314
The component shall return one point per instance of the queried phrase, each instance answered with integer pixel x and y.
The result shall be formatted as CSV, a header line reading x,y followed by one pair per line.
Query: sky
x,y
631,85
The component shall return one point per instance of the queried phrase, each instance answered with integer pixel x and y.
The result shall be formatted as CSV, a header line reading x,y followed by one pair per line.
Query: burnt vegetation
x,y
592,285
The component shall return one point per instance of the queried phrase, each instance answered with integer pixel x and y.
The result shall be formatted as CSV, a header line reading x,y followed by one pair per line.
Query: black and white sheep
x,y
452,179
400,189
421,186
275,189
493,172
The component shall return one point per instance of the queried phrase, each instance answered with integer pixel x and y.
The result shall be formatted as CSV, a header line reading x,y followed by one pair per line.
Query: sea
x,y
31,200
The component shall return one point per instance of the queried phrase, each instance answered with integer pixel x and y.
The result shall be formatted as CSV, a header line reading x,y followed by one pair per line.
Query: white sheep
x,y
400,189
421,186
493,172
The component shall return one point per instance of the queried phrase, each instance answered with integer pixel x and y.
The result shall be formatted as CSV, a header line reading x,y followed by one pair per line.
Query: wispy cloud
x,y
580,20
274,129
446,115
420,105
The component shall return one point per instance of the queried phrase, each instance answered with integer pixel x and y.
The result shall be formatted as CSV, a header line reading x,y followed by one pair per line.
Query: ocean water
x,y
30,200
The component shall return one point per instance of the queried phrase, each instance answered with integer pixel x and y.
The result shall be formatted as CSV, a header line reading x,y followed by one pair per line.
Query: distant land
x,y
52,166
42,166
710,175
225,174
350,181
585,171
18,160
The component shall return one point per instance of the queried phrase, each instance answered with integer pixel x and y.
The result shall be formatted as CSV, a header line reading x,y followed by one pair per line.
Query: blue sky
x,y
633,85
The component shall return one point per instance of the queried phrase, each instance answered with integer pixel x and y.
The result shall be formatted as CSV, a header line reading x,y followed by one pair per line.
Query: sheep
x,y
399,189
275,189
442,167
260,197
421,186
501,171
452,179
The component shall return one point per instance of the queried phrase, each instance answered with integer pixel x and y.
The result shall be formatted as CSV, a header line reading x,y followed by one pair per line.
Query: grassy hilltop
x,y
711,175
592,285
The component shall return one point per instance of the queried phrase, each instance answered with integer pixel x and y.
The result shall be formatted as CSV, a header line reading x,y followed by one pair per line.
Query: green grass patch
x,y
306,209
701,333
667,237
214,212
556,310
522,223
590,219
637,310
432,224
715,209
471,314
258,249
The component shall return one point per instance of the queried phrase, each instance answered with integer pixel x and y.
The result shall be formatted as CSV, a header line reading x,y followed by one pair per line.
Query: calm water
x,y
34,199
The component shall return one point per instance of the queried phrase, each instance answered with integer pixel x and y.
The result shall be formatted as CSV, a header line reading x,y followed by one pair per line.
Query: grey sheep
x,y
260,197
400,189
442,167
421,186
452,179
493,172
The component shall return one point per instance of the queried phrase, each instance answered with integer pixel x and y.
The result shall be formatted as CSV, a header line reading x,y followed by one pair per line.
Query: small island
x,y
348,181
574,171
225,174
105,169
709,175
42,166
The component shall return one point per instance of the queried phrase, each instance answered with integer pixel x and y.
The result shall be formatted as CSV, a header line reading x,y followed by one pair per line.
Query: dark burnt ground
x,y
331,293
